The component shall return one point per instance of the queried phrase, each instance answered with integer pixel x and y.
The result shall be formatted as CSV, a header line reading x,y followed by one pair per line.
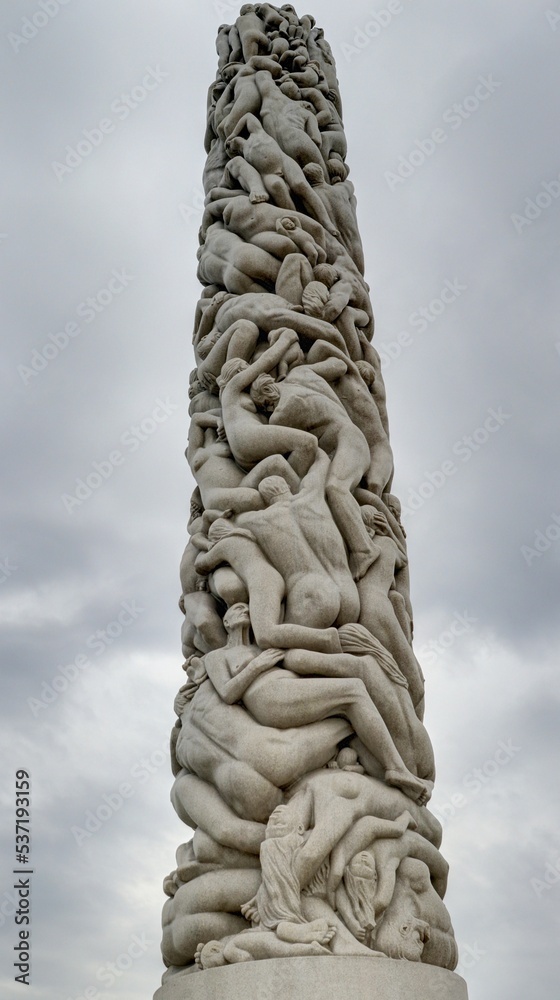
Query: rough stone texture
x,y
301,762
315,979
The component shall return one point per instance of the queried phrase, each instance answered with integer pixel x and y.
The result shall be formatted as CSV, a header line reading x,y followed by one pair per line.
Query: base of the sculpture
x,y
336,978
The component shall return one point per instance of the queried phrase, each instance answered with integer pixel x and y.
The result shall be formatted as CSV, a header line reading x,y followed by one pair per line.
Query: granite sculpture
x,y
301,762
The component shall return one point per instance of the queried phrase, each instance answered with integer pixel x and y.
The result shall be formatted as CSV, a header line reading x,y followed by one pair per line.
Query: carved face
x,y
229,370
265,393
289,223
403,938
362,866
237,615
279,824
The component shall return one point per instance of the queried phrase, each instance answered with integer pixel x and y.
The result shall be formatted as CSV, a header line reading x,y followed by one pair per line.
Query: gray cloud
x,y
495,346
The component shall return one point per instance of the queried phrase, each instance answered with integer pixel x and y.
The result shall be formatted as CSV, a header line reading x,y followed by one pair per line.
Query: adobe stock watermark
x,y
455,117
469,956
543,541
193,210
229,7
550,878
131,440
464,449
107,975
88,311
474,781
8,905
420,320
363,36
553,18
97,643
535,206
113,801
7,569
461,624
121,107
31,26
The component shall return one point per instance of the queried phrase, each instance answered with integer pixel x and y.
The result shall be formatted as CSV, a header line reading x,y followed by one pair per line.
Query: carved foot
x,y
415,788
318,931
250,911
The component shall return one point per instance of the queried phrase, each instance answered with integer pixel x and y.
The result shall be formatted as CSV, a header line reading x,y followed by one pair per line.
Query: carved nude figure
x,y
305,400
386,856
364,658
353,392
223,485
344,796
299,537
207,908
377,612
280,698
271,312
340,202
225,259
249,436
281,175
252,33
266,227
238,548
247,762
288,865
202,629
339,305
250,946
228,45
416,924
290,123
199,805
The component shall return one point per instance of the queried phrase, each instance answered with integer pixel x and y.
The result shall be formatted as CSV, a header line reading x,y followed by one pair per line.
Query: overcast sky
x,y
451,113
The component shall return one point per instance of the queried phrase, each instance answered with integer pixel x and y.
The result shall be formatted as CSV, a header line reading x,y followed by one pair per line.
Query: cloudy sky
x,y
451,112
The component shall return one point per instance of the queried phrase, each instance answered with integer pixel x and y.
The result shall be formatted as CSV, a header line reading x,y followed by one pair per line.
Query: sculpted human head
x,y
264,392
347,757
208,382
229,369
274,488
402,938
394,505
281,824
237,615
234,147
314,174
314,298
362,865
288,222
326,273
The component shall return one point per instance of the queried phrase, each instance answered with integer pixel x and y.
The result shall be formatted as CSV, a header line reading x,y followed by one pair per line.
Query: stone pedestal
x,y
336,978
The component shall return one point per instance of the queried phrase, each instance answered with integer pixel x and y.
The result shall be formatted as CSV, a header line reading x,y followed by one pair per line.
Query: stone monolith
x,y
302,766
